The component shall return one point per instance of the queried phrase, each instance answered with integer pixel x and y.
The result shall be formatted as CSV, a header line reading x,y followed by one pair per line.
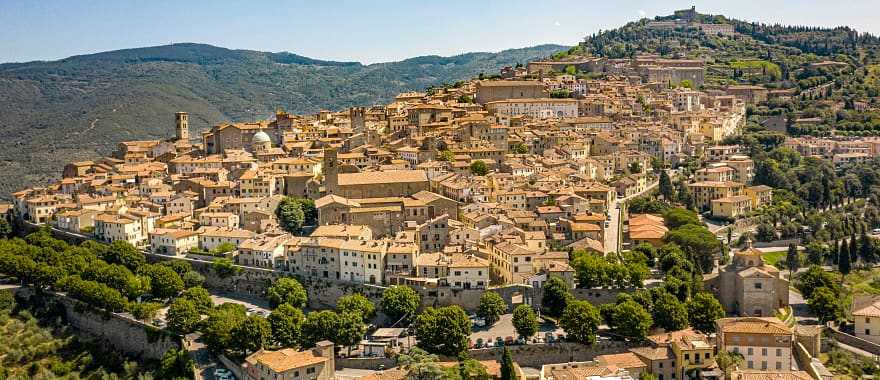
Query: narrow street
x,y
614,232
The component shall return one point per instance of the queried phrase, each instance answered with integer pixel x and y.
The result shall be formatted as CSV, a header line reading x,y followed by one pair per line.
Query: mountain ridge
x,y
80,107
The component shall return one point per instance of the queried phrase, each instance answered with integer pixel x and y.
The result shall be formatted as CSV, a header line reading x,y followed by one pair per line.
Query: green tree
x,y
507,370
446,156
310,212
677,217
816,252
470,369
825,303
192,279
5,228
697,242
350,330
176,365
421,365
666,189
521,148
631,320
123,253
765,232
200,297
357,304
525,321
217,328
555,297
286,322
287,290
318,326
400,301
669,313
290,215
223,248
164,281
591,270
815,278
727,361
843,260
867,249
183,316
647,376
792,259
570,70
580,321
684,196
479,168
703,309
251,335
444,330
144,311
491,307
225,268
635,167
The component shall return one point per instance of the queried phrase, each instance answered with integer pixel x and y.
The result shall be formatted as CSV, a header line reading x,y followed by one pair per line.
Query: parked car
x,y
223,374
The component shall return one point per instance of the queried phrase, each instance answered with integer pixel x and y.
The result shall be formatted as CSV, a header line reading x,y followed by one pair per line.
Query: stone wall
x,y
123,333
854,341
365,363
536,355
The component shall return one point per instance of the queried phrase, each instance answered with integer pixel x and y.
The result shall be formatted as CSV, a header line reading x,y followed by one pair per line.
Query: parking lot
x,y
504,329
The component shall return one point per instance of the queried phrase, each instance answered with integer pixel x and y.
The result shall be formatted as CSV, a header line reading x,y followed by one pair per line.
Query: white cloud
x,y
556,23
642,13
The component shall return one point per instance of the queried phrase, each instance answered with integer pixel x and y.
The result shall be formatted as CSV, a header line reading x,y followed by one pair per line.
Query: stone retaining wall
x,y
123,333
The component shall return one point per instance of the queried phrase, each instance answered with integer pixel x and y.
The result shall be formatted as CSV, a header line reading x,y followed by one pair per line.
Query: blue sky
x,y
366,31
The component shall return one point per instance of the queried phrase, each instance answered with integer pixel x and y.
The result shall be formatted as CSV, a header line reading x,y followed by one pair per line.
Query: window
x,y
750,364
758,285
778,352
764,365
751,352
778,365
764,351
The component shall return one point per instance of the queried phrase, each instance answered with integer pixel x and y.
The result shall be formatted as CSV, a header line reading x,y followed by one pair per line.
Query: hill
x,y
824,74
79,107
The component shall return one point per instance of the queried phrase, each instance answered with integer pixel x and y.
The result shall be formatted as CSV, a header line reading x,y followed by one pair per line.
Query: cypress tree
x,y
866,249
507,372
843,264
853,249
792,262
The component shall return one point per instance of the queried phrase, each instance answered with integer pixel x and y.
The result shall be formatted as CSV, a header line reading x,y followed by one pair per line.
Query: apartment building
x,y
764,343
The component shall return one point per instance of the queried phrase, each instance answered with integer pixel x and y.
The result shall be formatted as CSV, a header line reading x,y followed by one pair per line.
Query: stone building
x,y
747,286
490,91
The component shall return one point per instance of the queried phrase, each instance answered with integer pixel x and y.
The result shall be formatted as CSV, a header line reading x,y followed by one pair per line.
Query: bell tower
x,y
357,116
331,170
182,121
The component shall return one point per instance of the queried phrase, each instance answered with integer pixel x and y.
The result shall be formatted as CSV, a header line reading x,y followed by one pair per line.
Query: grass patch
x,y
776,259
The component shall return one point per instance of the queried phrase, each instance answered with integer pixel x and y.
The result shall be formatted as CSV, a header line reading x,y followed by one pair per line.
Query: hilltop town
x,y
576,217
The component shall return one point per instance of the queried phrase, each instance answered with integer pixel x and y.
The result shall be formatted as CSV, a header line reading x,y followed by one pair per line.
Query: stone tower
x,y
182,119
331,170
356,114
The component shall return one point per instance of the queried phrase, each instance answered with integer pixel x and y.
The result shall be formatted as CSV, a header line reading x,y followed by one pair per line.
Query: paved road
x,y
252,304
614,230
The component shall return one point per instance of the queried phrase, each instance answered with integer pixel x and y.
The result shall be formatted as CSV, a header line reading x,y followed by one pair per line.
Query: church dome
x,y
261,137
